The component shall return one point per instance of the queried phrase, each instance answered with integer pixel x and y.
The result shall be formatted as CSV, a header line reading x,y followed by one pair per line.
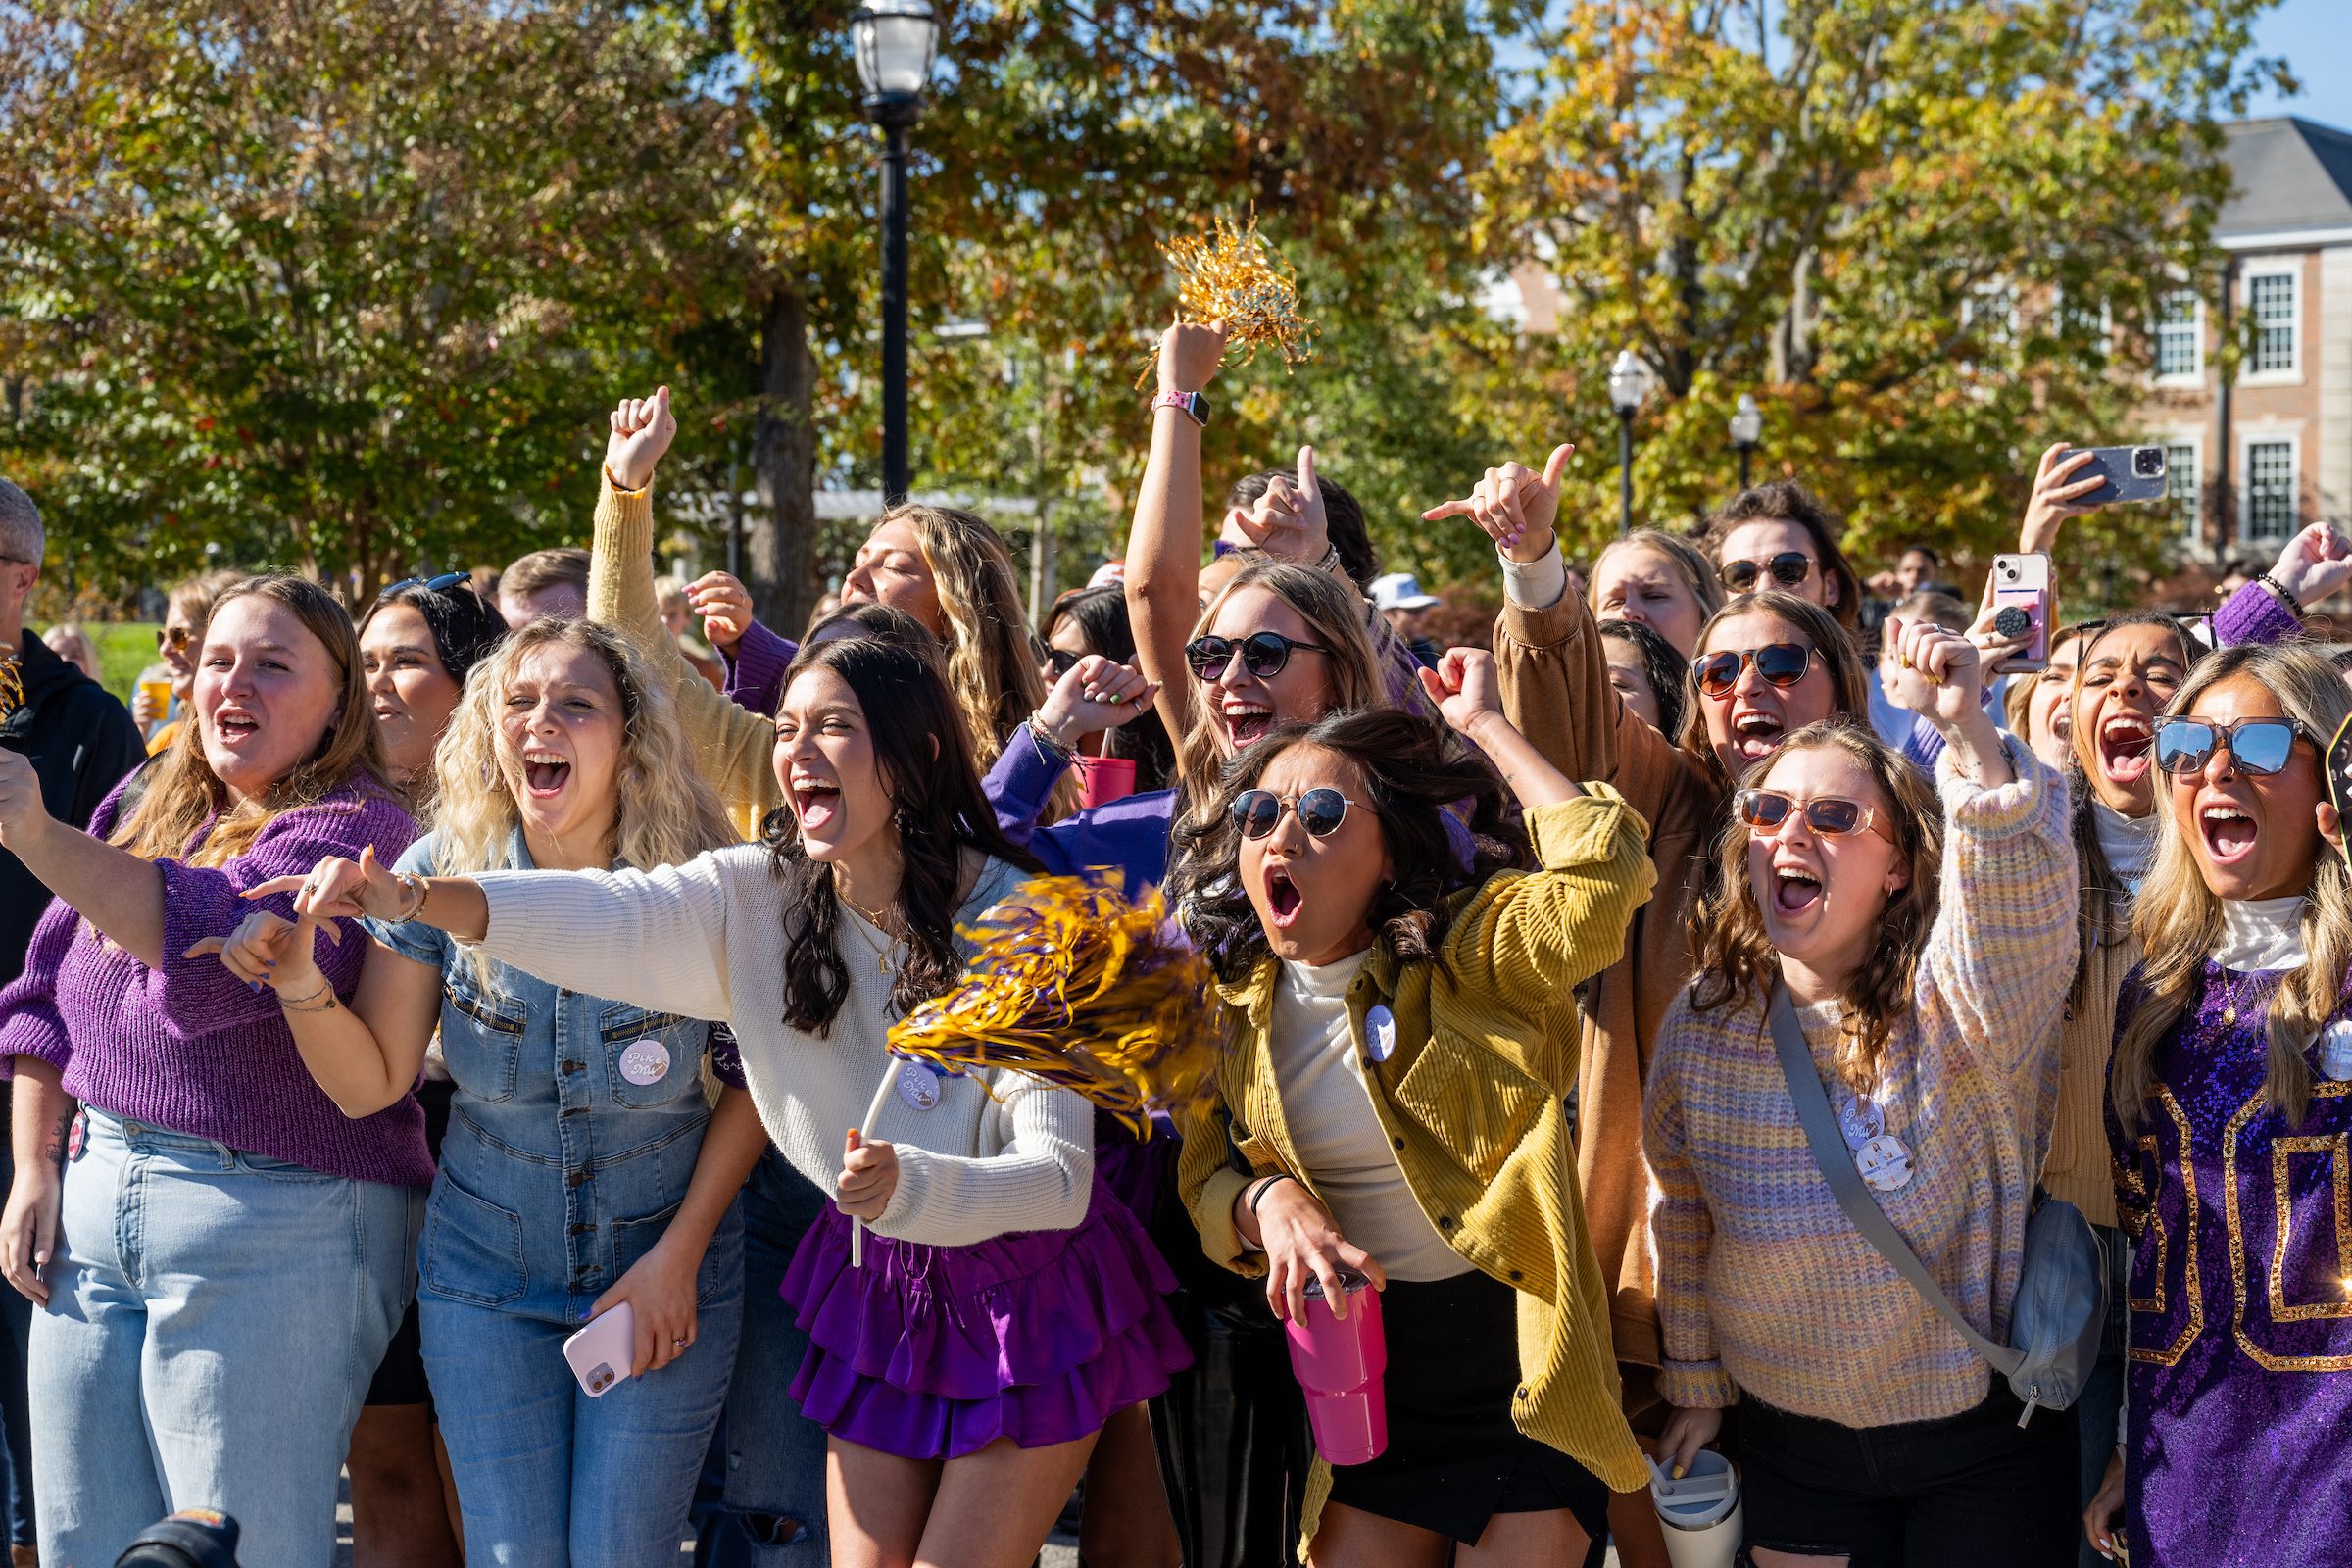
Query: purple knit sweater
x,y
188,1048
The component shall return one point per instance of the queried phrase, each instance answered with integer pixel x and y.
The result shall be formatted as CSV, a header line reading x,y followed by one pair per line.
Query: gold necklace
x,y
2229,997
881,953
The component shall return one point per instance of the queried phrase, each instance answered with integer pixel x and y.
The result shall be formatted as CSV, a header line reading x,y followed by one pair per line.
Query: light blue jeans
x,y
214,1320
547,1476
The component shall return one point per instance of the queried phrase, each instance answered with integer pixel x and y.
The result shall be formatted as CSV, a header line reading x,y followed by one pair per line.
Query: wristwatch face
x,y
1191,402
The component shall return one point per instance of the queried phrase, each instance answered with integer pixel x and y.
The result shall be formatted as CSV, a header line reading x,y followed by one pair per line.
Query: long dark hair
x,y
1669,676
1414,770
939,811
2105,917
1101,614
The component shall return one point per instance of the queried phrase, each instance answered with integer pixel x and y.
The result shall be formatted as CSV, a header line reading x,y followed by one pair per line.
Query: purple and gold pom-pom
x,y
1232,275
1075,986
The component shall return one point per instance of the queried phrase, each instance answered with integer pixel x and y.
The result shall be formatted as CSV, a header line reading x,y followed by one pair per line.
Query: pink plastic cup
x,y
1103,779
1339,1364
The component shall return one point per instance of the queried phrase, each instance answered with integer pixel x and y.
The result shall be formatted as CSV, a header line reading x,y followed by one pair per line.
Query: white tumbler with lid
x,y
1701,1512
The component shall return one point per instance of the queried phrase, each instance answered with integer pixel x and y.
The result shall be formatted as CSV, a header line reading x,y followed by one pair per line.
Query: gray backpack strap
x,y
1837,1164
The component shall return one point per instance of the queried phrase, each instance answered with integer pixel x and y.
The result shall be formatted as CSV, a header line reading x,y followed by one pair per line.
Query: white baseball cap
x,y
1402,590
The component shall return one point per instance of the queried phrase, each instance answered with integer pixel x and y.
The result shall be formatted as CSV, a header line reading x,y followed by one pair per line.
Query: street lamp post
x,y
894,42
1629,382
1747,428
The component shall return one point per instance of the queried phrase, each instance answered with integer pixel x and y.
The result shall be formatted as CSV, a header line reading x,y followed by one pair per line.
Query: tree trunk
x,y
781,551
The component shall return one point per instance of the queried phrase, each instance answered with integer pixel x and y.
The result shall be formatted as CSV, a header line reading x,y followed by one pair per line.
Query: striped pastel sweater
x,y
1764,1287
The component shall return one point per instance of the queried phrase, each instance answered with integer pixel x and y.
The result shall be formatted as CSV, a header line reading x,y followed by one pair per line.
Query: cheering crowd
x,y
1922,1075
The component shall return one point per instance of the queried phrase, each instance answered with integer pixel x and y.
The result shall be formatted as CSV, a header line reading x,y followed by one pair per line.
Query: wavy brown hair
x,y
185,793
1738,962
1787,500
1414,768
2178,918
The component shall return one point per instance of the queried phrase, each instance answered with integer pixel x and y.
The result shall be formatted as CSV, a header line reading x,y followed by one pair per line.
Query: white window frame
x,y
2194,376
2189,530
2290,268
2247,441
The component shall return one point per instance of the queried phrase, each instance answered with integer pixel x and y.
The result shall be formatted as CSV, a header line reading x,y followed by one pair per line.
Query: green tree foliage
x,y
334,284
1929,236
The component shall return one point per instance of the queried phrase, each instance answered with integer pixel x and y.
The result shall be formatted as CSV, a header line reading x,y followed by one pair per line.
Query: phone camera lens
x,y
2148,462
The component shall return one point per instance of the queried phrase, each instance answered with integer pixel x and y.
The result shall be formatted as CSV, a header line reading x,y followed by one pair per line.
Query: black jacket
x,y
81,742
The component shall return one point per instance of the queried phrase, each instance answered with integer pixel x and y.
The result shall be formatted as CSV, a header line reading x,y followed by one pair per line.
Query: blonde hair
x,y
1689,561
662,814
991,654
668,592
2178,918
195,598
1737,960
187,793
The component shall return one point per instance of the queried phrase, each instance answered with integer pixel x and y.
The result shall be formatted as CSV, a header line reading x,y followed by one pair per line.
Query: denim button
x,y
575,1178
572,1066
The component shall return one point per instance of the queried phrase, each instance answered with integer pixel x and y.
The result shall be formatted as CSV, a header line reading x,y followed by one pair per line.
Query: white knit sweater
x,y
706,940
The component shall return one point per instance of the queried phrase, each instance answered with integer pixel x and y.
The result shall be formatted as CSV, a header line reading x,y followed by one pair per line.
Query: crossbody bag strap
x,y
1837,1164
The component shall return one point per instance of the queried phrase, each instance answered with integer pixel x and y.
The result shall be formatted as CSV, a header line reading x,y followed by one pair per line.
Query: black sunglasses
x,y
1262,654
1321,810
1782,665
431,585
2257,745
1788,569
1060,660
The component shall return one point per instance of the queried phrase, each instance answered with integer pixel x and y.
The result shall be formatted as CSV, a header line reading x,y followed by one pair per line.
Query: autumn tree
x,y
336,284
1930,237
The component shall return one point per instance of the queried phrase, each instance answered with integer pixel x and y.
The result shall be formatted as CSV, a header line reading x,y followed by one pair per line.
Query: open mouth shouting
x,y
2228,832
1795,889
1756,734
235,727
1282,899
1246,720
815,802
2126,747
545,772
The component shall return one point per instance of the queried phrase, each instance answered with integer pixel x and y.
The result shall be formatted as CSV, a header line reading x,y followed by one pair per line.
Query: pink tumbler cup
x,y
1338,1364
1103,779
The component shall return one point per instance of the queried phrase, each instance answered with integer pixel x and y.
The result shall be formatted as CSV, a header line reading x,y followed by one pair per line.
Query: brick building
x,y
2254,460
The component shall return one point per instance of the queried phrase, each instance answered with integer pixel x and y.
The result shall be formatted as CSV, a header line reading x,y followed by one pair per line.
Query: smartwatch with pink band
x,y
1191,402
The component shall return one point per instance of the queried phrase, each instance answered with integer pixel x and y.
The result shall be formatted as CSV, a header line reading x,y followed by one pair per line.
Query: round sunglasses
x,y
2257,745
431,585
1262,654
1320,811
1787,569
1782,665
1827,814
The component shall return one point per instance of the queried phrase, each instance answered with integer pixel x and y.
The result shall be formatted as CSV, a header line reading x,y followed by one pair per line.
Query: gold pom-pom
x,y
1075,986
1231,276
12,686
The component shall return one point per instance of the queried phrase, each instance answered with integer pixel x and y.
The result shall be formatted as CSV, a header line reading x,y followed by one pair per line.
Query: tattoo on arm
x,y
54,1150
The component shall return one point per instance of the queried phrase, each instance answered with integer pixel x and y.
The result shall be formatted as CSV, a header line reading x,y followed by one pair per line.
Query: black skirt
x,y
1455,1460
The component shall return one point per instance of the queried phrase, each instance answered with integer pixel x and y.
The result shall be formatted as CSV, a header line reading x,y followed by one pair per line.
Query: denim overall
x,y
572,1137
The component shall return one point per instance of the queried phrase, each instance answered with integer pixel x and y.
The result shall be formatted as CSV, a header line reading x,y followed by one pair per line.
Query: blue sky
x,y
2316,39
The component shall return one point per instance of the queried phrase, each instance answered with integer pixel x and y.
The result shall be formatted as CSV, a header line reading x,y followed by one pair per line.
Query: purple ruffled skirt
x,y
933,1352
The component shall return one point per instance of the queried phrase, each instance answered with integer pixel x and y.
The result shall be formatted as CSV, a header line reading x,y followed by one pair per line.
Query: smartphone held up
x,y
2021,605
2129,473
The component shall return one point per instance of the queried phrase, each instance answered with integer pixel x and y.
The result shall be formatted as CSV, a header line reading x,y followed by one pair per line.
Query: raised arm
x,y
1164,546
733,747
1464,688
652,938
1532,939
2004,940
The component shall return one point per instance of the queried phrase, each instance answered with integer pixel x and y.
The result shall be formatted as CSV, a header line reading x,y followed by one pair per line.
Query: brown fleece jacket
x,y
1556,687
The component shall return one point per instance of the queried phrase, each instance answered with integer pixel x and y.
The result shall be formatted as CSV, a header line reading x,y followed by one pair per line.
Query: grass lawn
x,y
125,648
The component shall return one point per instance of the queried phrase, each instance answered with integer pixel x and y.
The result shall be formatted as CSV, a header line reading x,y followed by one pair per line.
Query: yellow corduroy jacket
x,y
1471,1098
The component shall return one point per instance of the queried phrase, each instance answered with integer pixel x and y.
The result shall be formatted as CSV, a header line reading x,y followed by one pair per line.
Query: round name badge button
x,y
918,1086
1380,1033
645,1063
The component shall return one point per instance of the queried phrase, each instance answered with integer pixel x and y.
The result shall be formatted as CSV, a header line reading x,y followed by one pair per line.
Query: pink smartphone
x,y
2020,587
601,1351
